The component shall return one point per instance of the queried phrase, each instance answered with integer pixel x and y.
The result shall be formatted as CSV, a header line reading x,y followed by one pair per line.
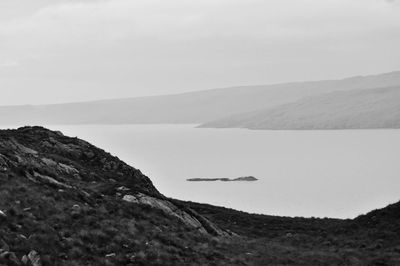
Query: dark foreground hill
x,y
66,202
355,109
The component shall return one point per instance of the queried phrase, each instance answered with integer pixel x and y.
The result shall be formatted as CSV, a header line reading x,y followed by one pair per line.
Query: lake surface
x,y
301,173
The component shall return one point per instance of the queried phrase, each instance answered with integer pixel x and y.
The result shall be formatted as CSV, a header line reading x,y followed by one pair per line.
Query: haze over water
x,y
340,173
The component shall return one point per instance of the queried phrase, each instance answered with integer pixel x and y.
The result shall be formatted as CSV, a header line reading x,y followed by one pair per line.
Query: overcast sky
x,y
72,50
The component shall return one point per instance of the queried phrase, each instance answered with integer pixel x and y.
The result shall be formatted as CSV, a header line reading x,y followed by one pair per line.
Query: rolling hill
x,y
354,109
194,107
64,201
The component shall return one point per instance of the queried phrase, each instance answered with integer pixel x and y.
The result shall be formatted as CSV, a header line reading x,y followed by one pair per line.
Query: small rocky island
x,y
243,178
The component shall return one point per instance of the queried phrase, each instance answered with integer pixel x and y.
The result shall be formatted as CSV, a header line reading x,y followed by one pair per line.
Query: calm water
x,y
302,173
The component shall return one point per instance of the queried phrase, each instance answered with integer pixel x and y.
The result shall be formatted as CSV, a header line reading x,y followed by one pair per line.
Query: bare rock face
x,y
203,225
167,207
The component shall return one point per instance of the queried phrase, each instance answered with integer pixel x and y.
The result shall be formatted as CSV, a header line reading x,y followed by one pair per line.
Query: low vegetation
x,y
62,202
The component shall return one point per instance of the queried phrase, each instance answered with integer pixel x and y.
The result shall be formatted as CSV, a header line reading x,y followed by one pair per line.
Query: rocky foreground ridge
x,y
58,194
64,201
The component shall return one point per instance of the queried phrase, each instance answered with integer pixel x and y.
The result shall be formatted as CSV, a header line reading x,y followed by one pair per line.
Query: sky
x,y
54,51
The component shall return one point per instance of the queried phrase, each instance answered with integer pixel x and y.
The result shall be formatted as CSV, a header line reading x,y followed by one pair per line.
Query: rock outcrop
x,y
55,189
65,202
51,157
37,154
190,218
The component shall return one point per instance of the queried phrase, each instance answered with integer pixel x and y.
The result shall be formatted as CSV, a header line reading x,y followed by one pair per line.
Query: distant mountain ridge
x,y
355,109
187,108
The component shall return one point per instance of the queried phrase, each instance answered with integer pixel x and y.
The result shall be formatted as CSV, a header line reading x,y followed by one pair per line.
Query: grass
x,y
88,224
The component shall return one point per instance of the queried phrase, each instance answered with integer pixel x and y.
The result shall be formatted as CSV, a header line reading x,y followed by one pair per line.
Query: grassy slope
x,y
83,224
357,109
43,217
370,239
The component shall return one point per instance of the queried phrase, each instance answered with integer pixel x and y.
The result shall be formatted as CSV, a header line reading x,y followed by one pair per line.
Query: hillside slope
x,y
75,204
65,202
194,107
356,109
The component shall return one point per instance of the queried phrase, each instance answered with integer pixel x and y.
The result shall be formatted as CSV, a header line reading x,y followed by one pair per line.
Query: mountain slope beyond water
x,y
356,109
192,107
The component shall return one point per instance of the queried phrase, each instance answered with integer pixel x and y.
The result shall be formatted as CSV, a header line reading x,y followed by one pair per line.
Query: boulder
x,y
130,198
76,211
67,169
34,258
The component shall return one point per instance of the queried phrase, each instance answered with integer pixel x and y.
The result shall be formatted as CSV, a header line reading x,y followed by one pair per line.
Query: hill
x,y
65,202
75,204
355,109
194,107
